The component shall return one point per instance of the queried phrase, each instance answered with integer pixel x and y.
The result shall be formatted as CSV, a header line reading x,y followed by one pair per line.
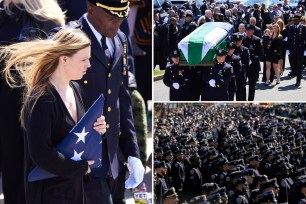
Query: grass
x,y
159,72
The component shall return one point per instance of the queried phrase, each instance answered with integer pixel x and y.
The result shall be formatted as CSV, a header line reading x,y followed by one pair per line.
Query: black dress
x,y
47,125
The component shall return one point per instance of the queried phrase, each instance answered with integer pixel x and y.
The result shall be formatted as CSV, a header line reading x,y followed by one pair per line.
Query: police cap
x,y
167,153
240,180
249,27
214,198
170,193
158,150
221,52
158,164
267,197
231,46
199,199
254,158
221,191
297,15
118,8
269,183
208,187
175,53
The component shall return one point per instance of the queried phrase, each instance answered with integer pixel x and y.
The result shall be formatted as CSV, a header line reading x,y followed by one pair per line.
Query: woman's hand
x,y
100,125
89,162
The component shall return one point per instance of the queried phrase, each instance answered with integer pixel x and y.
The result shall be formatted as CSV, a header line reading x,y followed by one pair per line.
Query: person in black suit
x,y
297,46
254,45
109,75
257,30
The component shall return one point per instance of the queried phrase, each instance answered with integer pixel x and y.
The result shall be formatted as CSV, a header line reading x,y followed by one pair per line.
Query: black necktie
x,y
106,50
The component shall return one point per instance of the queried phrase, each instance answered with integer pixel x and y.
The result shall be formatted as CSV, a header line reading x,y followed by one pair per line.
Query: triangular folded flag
x,y
82,142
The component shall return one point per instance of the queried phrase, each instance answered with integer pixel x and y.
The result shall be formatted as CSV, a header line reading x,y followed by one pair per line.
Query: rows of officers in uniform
x,y
227,155
226,80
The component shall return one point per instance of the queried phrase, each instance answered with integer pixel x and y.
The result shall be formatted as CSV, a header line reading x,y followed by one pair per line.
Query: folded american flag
x,y
82,142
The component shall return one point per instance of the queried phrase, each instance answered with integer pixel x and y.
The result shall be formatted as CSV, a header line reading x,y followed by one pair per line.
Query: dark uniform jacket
x,y
178,175
238,198
161,188
296,39
181,75
112,81
254,45
221,73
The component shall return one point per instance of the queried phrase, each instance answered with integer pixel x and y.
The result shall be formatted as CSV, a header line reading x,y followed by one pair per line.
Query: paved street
x,y
128,195
285,91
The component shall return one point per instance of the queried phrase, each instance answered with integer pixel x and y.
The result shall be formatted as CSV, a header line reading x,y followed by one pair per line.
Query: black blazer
x,y
113,83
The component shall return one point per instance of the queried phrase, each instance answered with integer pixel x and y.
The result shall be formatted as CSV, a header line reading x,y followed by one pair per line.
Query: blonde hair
x,y
42,10
30,64
281,24
278,34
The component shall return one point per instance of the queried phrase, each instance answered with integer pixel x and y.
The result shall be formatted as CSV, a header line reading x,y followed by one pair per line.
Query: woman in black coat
x,y
19,21
274,54
52,105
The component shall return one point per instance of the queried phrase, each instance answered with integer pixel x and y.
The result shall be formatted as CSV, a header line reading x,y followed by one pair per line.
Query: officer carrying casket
x,y
179,79
216,79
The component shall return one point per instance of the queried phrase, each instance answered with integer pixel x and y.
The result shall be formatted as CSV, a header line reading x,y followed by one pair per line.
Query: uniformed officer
x,y
284,181
239,196
300,191
161,184
243,53
178,171
235,62
193,180
297,46
253,43
109,75
269,185
179,79
216,79
254,164
265,164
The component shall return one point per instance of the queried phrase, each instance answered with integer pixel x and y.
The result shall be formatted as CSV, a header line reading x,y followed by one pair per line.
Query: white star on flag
x,y
77,156
81,136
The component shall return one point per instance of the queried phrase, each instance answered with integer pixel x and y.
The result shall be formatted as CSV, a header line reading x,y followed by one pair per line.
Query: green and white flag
x,y
202,43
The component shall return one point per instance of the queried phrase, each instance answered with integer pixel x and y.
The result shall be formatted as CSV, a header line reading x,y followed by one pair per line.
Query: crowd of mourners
x,y
265,33
237,153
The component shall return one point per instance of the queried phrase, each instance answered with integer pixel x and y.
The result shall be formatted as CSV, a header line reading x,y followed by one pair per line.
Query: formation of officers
x,y
259,35
230,154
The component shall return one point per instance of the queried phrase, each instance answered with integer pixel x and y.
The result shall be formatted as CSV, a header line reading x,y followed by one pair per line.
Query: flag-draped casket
x,y
202,43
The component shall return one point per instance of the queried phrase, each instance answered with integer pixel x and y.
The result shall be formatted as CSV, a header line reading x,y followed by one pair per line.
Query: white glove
x,y
212,83
136,171
287,52
176,85
304,53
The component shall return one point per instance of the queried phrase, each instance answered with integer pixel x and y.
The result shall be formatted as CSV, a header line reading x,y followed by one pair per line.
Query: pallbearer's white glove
x,y
136,171
212,83
287,52
176,85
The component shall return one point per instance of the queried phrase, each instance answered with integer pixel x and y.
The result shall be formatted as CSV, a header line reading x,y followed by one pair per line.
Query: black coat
x,y
113,83
11,138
